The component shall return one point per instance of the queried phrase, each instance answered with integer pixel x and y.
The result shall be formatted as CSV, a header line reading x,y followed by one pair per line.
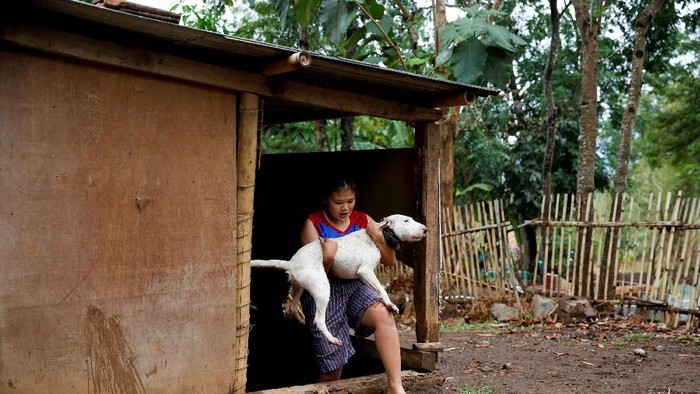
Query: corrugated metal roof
x,y
250,56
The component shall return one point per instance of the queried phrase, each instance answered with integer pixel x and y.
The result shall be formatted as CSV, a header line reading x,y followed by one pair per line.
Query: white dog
x,y
357,257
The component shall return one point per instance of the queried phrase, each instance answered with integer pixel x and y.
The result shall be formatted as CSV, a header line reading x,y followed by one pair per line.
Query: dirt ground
x,y
594,357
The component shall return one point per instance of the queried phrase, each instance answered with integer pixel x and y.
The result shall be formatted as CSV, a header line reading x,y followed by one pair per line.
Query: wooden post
x,y
427,262
247,147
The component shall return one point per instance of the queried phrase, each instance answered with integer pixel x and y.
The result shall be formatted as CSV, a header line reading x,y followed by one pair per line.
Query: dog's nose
x,y
425,230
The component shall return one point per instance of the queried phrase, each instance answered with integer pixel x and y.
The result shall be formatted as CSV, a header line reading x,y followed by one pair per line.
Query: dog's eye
x,y
406,221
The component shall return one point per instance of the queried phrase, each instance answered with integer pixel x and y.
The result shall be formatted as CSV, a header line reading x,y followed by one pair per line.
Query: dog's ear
x,y
385,222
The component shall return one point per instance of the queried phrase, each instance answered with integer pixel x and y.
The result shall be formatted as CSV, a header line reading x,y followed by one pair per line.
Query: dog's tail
x,y
281,264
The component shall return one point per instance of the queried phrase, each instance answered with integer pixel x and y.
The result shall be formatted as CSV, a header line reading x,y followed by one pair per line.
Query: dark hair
x,y
340,183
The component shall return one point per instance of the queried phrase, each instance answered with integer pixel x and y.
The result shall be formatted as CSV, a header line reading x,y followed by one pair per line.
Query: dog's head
x,y
400,228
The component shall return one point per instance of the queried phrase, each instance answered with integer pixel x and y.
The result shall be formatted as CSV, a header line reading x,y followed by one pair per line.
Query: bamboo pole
x,y
469,286
592,282
493,261
595,276
637,236
248,111
293,62
696,280
647,288
660,255
539,251
667,273
545,254
609,257
583,240
571,263
473,251
679,290
616,259
562,244
625,254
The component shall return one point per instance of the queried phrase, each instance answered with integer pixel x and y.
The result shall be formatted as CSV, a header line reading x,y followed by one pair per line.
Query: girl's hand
x,y
375,232
329,248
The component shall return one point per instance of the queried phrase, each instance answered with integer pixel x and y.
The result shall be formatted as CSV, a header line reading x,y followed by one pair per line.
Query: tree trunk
x,y
347,127
320,134
347,124
554,18
447,129
319,126
588,24
644,21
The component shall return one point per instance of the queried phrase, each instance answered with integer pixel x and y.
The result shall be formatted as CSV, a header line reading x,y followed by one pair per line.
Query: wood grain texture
x,y
118,228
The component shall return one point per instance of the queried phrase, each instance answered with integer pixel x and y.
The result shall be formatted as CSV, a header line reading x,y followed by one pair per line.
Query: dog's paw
x,y
392,307
335,341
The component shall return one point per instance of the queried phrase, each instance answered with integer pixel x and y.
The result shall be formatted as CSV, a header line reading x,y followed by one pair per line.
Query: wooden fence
x,y
657,251
478,260
655,263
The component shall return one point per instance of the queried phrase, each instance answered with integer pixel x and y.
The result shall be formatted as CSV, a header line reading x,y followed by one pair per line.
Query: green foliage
x,y
477,390
478,49
670,126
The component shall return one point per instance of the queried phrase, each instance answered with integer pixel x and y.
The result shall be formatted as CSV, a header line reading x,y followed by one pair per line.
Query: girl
x,y
352,303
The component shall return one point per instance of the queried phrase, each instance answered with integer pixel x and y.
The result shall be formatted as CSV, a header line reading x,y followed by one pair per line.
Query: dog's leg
x,y
368,277
320,291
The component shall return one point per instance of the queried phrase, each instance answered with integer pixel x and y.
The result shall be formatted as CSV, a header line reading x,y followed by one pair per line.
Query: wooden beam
x,y
372,384
294,62
412,359
109,53
427,260
429,347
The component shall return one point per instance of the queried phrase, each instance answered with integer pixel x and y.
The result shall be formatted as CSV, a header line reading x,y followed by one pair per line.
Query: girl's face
x,y
340,203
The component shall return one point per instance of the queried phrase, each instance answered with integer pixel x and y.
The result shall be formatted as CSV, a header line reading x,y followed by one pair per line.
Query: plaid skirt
x,y
349,301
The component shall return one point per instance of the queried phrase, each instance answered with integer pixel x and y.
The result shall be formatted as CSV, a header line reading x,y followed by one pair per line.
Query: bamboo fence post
x,y
681,258
696,280
616,259
625,256
647,288
590,235
465,260
488,208
546,259
660,255
562,245
472,256
448,257
594,275
584,236
457,242
667,272
593,263
503,236
609,256
248,111
486,239
463,256
571,263
539,251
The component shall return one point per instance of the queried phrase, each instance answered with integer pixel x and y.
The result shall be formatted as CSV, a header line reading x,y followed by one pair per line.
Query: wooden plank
x,y
103,52
97,289
427,267
372,384
412,359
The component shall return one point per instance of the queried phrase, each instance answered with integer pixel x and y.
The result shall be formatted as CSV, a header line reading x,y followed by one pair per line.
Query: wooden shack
x,y
128,161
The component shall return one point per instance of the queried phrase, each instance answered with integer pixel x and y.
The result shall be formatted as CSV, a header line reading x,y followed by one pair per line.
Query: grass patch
x,y
477,390
638,336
